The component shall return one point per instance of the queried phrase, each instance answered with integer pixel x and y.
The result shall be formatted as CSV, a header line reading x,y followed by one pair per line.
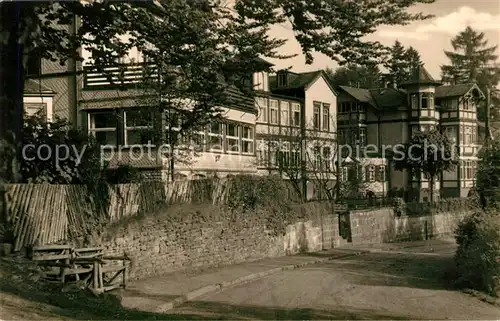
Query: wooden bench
x,y
105,274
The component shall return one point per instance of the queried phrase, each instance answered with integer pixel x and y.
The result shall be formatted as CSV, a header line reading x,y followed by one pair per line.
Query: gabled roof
x,y
379,98
360,94
456,90
35,87
420,76
389,97
300,80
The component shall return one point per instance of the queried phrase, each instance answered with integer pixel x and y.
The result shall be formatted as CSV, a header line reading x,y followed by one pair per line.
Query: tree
x,y
56,153
368,76
429,153
488,175
397,63
306,155
48,30
473,61
413,58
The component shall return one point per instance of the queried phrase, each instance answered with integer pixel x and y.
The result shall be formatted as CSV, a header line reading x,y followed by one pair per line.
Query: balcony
x,y
121,76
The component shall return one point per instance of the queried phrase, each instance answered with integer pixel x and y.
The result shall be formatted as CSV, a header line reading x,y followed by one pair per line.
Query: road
x,y
369,286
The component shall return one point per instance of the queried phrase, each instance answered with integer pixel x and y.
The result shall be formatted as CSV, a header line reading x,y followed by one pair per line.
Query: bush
x,y
478,255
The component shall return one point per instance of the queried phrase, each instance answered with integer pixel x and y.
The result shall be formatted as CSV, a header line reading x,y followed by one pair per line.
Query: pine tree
x,y
413,58
357,76
473,61
397,64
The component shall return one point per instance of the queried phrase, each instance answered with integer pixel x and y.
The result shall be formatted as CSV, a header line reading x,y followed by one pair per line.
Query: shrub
x,y
399,205
477,258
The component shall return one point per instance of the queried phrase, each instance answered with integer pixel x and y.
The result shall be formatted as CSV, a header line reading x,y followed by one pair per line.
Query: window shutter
x,y
378,174
361,173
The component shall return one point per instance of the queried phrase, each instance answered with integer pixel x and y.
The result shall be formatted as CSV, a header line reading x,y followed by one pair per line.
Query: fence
x,y
43,214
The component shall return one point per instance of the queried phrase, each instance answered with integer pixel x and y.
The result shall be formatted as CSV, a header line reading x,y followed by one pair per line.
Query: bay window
x,y
102,125
295,114
262,107
138,127
285,113
215,136
232,138
295,155
247,140
273,112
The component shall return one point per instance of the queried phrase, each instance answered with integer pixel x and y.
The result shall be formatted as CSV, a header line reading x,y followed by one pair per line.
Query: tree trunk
x,y
11,91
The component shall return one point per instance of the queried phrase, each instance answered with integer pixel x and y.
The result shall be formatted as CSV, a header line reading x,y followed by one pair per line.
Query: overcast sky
x,y
430,37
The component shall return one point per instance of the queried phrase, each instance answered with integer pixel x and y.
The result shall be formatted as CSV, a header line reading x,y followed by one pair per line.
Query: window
x,y
316,119
382,173
425,101
468,135
199,141
32,109
262,107
316,161
370,173
215,136
473,135
284,154
354,107
102,126
296,114
282,79
232,138
327,158
326,117
285,113
466,103
362,136
361,108
247,140
138,127
273,149
451,133
344,174
414,101
273,109
295,159
262,153
345,107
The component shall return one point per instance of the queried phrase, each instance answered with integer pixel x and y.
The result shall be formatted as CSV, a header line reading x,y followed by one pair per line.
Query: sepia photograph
x,y
250,160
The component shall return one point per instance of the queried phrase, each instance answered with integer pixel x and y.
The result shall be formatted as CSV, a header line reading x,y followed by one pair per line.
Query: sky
x,y
430,37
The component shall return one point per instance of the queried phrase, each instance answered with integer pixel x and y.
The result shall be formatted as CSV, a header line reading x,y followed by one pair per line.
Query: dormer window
x,y
282,79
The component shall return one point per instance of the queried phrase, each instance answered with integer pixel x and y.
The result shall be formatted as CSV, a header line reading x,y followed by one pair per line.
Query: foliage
x,y
356,76
402,62
488,175
399,206
478,254
429,153
68,156
215,42
473,61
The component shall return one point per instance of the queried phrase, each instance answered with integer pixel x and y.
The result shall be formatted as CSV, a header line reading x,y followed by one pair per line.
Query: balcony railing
x,y
123,75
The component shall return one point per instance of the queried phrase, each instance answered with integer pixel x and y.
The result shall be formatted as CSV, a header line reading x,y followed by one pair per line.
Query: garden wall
x,y
207,236
382,225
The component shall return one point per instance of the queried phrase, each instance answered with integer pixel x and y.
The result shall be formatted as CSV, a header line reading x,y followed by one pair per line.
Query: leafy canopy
x,y
431,152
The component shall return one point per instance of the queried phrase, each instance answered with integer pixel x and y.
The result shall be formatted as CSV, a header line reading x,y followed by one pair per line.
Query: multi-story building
x,y
379,119
296,128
